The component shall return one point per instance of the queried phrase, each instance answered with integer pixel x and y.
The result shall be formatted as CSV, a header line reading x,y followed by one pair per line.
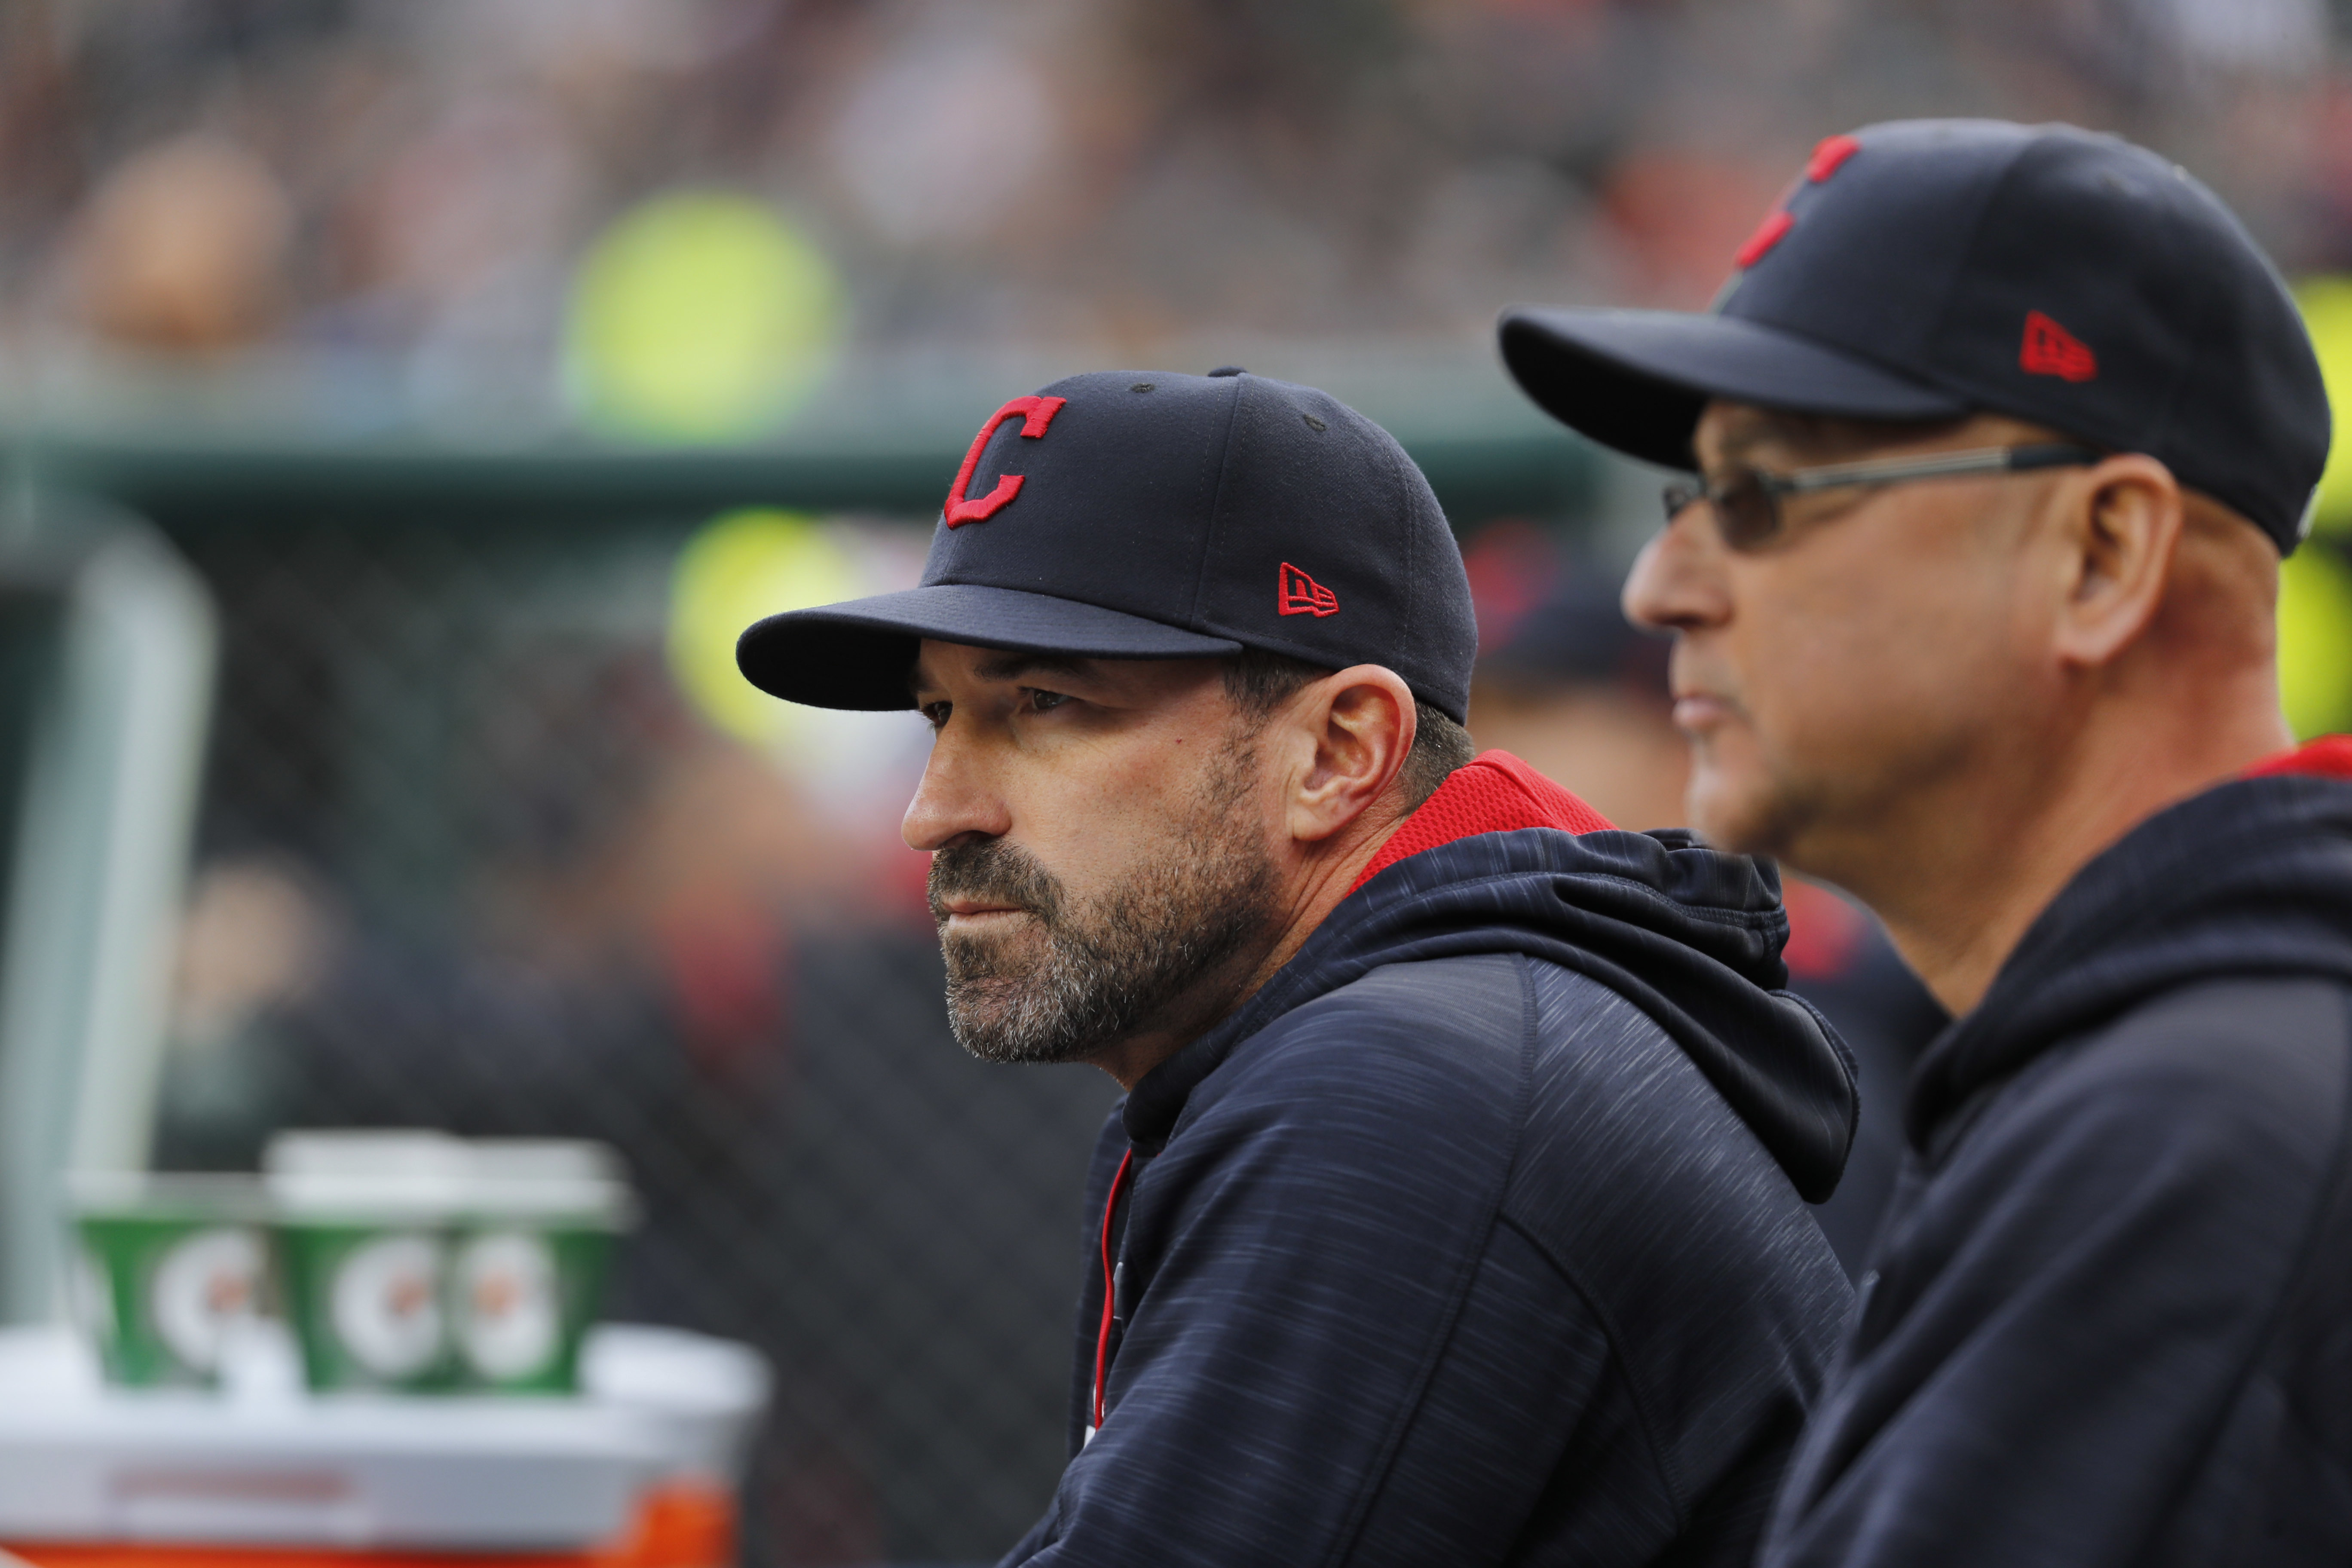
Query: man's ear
x,y
1347,736
2121,523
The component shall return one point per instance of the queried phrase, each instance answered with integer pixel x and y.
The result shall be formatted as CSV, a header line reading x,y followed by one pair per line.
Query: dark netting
x,y
468,860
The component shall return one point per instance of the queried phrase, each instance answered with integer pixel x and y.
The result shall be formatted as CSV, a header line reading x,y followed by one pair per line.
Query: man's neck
x,y
1317,878
1959,884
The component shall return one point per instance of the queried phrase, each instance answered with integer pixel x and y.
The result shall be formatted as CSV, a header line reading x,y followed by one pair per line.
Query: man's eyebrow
x,y
1742,436
1008,666
1012,666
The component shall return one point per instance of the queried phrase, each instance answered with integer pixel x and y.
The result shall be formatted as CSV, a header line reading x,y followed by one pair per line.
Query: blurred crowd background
x,y
411,197
490,835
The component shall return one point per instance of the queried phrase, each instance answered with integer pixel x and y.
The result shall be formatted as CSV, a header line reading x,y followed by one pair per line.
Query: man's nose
x,y
952,800
1676,583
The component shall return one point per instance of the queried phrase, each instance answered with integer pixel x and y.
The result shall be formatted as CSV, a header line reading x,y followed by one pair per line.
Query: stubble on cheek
x,y
1740,799
1068,976
996,967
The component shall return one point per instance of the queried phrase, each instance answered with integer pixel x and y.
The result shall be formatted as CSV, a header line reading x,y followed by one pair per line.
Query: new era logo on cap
x,y
2051,350
1297,594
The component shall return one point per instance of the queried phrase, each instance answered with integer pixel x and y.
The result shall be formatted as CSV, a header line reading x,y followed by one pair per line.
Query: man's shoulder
x,y
1484,1016
1413,1043
1502,1040
2251,1060
1572,1112
1468,992
1419,1005
2208,1121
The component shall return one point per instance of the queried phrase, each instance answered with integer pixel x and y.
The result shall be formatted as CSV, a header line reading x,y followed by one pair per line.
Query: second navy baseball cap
x,y
1932,269
1143,514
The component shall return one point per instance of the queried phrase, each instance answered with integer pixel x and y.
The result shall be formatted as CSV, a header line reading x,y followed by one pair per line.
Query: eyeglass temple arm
x,y
1978,460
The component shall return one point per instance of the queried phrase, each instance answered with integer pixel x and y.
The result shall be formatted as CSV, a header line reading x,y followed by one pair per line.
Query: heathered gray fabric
x,y
1463,1261
2109,1322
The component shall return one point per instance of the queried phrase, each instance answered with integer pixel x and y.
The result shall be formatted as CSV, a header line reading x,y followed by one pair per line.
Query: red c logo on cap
x,y
1829,156
1036,417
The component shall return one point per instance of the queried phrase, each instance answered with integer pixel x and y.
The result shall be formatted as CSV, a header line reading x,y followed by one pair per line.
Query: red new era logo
x,y
2051,350
1297,594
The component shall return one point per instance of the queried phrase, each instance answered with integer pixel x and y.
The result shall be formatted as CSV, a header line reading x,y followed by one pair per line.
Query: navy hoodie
x,y
2110,1316
1479,1234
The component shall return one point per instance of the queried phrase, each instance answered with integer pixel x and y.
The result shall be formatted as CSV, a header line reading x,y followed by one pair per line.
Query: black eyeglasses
x,y
1747,506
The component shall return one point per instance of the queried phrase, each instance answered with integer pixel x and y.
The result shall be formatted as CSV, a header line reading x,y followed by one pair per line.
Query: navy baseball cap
x,y
1932,269
1140,514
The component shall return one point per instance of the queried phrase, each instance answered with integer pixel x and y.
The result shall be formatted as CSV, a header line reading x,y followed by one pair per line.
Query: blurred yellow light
x,y
741,566
700,317
2315,641
2327,311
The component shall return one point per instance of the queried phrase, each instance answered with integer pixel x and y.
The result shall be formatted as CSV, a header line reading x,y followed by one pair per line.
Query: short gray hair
x,y
1258,682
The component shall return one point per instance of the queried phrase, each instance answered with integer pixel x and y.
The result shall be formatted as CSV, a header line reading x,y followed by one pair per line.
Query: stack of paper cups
x,y
418,1261
168,1270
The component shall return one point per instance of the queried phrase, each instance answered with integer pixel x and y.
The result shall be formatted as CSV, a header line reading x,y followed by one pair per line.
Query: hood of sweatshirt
x,y
2250,877
1501,859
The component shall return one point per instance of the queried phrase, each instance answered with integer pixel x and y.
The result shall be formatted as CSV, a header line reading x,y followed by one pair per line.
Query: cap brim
x,y
1636,380
859,654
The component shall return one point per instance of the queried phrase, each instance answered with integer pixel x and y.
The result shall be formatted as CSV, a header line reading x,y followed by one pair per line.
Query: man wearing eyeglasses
x,y
2003,432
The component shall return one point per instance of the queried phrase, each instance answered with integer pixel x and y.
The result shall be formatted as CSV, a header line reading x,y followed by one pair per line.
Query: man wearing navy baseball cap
x,y
1456,1211
2003,431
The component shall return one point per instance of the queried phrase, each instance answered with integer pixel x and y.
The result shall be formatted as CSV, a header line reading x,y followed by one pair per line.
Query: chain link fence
x,y
468,860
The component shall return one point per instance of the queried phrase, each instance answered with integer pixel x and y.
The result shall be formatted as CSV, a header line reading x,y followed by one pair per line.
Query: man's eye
x,y
936,713
1042,702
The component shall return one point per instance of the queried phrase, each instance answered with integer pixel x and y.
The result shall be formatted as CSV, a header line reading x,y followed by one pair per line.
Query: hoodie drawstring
x,y
1110,1289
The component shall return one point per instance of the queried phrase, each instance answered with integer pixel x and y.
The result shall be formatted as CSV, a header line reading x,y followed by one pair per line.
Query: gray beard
x,y
1115,964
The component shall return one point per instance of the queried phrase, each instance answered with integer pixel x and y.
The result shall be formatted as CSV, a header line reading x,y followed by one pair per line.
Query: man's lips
x,y
976,909
1698,710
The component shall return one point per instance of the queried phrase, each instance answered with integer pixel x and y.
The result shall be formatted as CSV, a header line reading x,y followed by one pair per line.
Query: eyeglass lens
x,y
1746,514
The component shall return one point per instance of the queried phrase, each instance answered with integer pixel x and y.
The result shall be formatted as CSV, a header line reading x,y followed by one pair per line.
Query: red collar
x,y
2330,756
1495,794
